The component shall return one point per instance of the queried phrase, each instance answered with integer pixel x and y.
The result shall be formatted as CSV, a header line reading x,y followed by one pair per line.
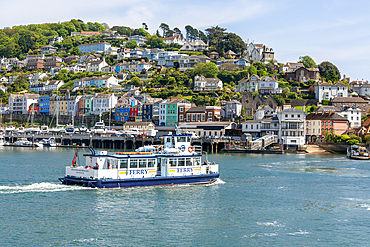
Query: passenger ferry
x,y
358,153
175,162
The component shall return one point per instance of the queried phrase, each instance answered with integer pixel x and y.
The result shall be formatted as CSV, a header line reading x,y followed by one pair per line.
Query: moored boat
x,y
358,152
176,162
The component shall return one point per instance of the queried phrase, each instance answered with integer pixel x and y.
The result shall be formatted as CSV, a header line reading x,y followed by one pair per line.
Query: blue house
x,y
44,105
122,113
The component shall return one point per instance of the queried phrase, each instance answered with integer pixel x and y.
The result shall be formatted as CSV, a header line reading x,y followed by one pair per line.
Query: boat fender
x,y
190,149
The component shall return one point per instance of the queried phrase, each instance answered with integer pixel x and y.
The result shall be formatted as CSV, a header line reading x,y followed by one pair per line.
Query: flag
x,y
74,163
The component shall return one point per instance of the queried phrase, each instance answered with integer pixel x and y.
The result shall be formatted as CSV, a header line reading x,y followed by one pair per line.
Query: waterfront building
x,y
292,123
202,114
85,105
19,104
44,105
173,108
318,123
216,129
121,113
103,103
162,112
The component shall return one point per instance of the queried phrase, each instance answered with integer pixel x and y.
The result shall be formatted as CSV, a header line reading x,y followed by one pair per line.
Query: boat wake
x,y
37,187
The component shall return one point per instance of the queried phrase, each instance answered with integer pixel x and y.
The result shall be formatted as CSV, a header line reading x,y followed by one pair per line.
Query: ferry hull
x,y
127,183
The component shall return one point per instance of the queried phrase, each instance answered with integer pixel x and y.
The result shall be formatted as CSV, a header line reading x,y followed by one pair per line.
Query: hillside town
x,y
189,83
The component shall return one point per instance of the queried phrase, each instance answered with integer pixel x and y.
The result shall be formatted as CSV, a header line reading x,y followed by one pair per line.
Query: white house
x,y
175,39
252,127
197,45
99,82
328,91
140,40
207,84
269,85
38,76
103,103
292,124
122,53
94,47
353,115
96,65
136,53
259,53
18,103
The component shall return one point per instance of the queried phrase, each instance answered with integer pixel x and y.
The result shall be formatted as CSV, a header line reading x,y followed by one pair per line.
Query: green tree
x,y
279,99
131,44
307,62
252,70
329,71
209,70
165,28
233,42
155,42
215,36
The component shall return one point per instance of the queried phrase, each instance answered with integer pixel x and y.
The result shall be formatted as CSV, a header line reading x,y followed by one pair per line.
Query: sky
x,y
330,30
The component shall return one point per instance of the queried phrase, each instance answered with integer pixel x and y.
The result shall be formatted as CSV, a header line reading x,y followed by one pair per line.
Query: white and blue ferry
x,y
176,162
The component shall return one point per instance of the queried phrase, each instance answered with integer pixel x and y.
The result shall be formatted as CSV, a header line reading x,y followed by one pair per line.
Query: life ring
x,y
190,149
157,148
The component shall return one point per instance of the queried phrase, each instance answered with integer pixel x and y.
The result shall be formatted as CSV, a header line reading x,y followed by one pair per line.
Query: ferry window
x,y
133,163
172,162
197,161
114,164
181,139
142,163
188,138
188,161
181,162
151,162
168,139
123,164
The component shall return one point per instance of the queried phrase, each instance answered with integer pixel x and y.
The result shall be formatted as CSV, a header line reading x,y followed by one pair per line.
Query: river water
x,y
275,200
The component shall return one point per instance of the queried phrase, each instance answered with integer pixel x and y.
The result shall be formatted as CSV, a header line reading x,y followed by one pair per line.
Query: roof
x,y
292,110
348,100
327,108
100,43
325,116
197,109
137,123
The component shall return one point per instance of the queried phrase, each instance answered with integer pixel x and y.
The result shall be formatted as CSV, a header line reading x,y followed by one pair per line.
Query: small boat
x,y
176,162
99,128
49,142
44,129
69,129
358,152
2,140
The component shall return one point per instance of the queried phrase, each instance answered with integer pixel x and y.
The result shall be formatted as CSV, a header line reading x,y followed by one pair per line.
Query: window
x,y
181,109
209,114
142,163
181,162
133,163
151,162
172,162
